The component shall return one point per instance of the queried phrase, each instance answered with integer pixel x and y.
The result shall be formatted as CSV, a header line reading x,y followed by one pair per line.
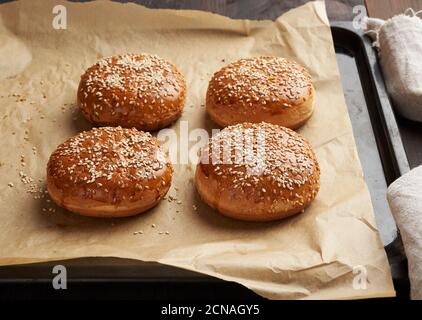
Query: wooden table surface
x,y
385,9
271,9
256,9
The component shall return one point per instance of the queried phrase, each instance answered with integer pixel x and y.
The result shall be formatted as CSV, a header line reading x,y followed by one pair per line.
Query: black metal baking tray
x,y
383,160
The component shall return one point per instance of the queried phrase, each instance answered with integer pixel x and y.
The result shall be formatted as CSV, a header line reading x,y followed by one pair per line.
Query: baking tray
x,y
383,159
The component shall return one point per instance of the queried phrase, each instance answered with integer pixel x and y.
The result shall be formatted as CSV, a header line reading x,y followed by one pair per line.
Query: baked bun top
x,y
109,164
263,82
131,89
263,162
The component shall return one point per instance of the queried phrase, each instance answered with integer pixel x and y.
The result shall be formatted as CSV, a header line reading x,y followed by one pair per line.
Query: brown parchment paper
x,y
318,254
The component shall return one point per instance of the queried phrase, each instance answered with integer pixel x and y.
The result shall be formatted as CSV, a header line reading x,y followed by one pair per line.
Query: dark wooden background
x,y
386,8
255,9
271,9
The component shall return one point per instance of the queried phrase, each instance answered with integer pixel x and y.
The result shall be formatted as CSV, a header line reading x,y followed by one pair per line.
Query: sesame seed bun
x,y
269,89
257,172
109,172
132,90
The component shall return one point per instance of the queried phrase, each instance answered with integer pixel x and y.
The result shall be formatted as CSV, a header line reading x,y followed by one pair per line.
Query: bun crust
x,y
261,89
109,172
132,90
275,174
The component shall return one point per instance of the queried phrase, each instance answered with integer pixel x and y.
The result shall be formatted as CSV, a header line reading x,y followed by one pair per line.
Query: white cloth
x,y
399,43
405,199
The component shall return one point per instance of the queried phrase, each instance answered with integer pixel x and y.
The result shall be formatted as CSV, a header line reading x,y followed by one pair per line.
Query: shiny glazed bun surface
x,y
258,172
109,172
132,90
261,89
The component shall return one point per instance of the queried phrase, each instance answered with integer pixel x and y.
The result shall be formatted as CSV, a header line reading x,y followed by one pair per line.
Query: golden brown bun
x,y
109,172
269,89
278,179
132,90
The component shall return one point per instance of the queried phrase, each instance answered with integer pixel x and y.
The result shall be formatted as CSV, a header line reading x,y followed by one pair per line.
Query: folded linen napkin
x,y
399,44
405,199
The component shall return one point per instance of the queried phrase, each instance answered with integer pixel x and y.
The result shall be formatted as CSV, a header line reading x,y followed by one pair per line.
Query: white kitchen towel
x,y
405,199
399,43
